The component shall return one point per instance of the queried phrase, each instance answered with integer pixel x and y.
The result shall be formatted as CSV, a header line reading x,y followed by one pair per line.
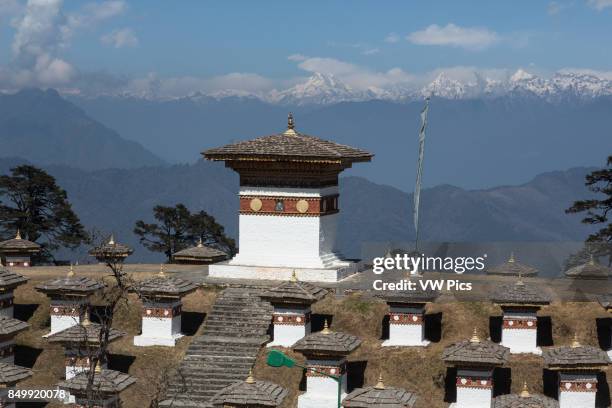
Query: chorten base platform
x,y
227,270
145,341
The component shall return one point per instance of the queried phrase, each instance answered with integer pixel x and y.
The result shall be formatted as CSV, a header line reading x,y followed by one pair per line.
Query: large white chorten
x,y
288,206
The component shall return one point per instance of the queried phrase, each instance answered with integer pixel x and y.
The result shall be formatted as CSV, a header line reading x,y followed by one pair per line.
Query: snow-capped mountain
x,y
318,89
445,87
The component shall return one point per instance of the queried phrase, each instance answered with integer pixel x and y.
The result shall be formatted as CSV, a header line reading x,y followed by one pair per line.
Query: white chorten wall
x,y
406,327
290,325
321,391
474,389
577,390
6,304
287,238
7,351
66,313
161,324
520,332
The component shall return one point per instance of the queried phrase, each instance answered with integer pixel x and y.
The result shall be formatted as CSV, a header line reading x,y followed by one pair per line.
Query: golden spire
x,y
111,241
98,369
525,391
511,259
161,273
475,338
86,322
326,328
575,342
250,379
200,243
290,125
294,276
18,236
71,271
380,385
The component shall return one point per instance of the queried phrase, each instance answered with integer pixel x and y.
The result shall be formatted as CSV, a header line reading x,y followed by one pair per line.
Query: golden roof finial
x,y
511,259
525,391
294,276
111,241
98,369
200,243
18,235
591,259
250,379
475,338
161,273
71,271
380,385
326,328
86,322
290,125
575,342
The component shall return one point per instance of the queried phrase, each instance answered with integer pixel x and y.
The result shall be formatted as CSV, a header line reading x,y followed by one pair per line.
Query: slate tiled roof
x,y
520,293
19,244
589,270
294,291
518,401
111,250
10,373
105,381
327,342
10,279
575,356
81,333
512,268
164,285
250,393
70,283
379,396
476,352
200,252
10,326
290,146
605,301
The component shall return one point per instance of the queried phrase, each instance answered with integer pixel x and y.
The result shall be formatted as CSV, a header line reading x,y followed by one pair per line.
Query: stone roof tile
x,y
387,397
294,291
105,381
589,270
520,293
10,326
10,373
9,279
81,333
518,401
327,342
250,393
512,268
475,351
575,356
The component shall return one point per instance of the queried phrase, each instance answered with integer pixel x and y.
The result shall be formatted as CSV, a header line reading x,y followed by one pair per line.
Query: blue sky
x,y
257,45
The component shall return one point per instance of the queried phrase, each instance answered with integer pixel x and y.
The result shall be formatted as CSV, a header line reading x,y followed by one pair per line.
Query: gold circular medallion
x,y
302,206
256,204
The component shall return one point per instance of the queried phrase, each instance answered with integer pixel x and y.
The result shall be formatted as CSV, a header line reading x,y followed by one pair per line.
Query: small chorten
x,y
10,375
9,281
69,298
292,303
475,359
512,268
380,396
111,251
162,304
520,303
250,393
199,255
107,385
325,351
9,328
18,251
80,342
589,270
524,400
407,315
578,367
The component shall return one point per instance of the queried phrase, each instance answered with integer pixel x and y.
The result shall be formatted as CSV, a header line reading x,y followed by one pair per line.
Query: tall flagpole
x,y
417,187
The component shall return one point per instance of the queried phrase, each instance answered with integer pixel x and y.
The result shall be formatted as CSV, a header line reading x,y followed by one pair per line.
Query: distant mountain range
x,y
371,214
326,89
47,129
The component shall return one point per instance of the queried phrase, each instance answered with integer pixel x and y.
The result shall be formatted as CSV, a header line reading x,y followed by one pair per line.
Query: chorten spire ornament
x,y
86,322
294,276
250,379
591,259
200,243
161,273
525,391
326,328
111,241
380,385
575,342
71,271
18,235
475,338
290,125
511,259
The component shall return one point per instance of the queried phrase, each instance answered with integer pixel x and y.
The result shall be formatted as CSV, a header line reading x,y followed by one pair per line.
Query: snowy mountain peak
x,y
445,87
521,75
318,89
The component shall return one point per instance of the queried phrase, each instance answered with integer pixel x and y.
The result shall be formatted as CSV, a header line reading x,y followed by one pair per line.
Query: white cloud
x,y
392,38
296,57
124,37
472,38
9,7
94,13
587,71
370,51
600,4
